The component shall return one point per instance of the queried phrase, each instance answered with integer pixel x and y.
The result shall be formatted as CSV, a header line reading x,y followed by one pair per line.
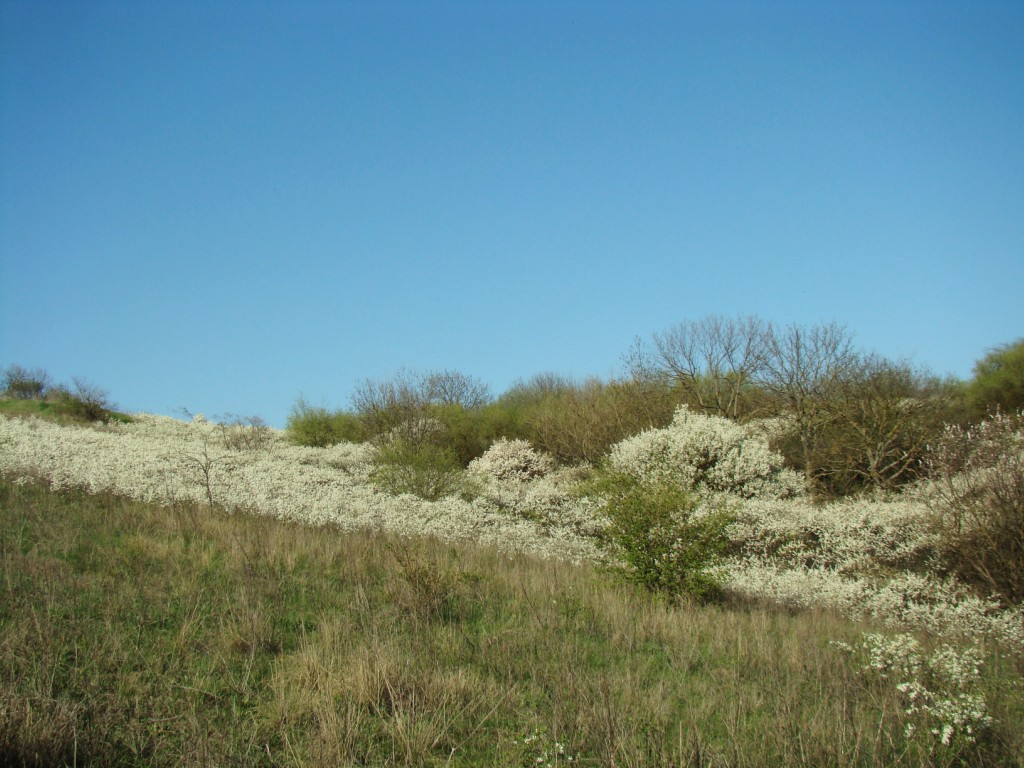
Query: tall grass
x,y
142,635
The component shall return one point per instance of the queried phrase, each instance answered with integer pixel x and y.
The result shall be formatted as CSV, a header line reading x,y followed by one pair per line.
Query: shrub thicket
x,y
856,420
875,428
998,381
84,400
979,482
317,427
24,384
579,422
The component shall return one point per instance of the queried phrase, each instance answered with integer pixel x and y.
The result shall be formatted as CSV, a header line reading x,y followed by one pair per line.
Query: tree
x,y
804,367
389,404
714,361
998,381
447,388
883,417
24,384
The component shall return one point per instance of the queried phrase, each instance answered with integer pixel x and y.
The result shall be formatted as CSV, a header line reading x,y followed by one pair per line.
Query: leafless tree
x,y
404,402
884,416
25,384
454,388
804,366
714,360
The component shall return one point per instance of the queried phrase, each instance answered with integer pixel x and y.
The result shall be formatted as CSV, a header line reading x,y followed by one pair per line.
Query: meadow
x,y
193,592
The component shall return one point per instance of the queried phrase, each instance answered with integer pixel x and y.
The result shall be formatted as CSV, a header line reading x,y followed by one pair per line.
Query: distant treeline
x,y
847,418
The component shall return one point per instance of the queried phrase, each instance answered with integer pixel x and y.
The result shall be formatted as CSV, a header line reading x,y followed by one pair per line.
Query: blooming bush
x,y
869,557
514,478
661,535
859,535
159,459
941,690
511,460
707,454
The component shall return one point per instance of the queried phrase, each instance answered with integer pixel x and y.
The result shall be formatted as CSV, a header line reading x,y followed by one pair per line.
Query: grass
x,y
139,635
54,409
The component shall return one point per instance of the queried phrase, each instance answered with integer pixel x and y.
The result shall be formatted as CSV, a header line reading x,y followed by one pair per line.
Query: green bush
x,y
319,428
660,535
579,421
419,468
998,382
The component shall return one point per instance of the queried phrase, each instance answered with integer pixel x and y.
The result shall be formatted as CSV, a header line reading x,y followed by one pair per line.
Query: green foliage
x,y
319,428
998,381
662,536
407,466
579,421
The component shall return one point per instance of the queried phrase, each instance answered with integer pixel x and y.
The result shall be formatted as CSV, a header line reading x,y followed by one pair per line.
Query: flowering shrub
x,y
852,536
901,601
152,459
514,460
707,454
869,557
545,752
940,690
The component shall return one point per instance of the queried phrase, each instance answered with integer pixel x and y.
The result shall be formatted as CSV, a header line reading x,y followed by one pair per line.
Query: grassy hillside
x,y
61,411
133,634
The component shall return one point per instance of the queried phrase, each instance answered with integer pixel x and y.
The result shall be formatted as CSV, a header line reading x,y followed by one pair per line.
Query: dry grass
x,y
135,635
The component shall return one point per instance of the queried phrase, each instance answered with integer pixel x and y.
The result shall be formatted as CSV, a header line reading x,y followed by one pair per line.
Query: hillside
x,y
789,561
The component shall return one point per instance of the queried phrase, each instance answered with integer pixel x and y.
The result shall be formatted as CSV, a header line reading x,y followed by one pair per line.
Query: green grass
x,y
139,635
51,409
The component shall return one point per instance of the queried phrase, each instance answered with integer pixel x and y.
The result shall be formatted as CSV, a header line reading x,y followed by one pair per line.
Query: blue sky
x,y
220,206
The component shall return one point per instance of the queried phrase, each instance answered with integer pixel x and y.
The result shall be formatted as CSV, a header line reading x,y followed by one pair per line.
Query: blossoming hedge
x,y
865,557
708,454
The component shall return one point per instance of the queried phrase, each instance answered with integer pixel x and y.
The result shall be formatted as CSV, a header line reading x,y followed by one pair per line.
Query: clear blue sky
x,y
222,205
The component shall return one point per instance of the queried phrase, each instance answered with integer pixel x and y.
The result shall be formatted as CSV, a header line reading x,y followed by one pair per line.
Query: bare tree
x,y
404,402
25,384
386,404
714,360
884,416
454,388
804,367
